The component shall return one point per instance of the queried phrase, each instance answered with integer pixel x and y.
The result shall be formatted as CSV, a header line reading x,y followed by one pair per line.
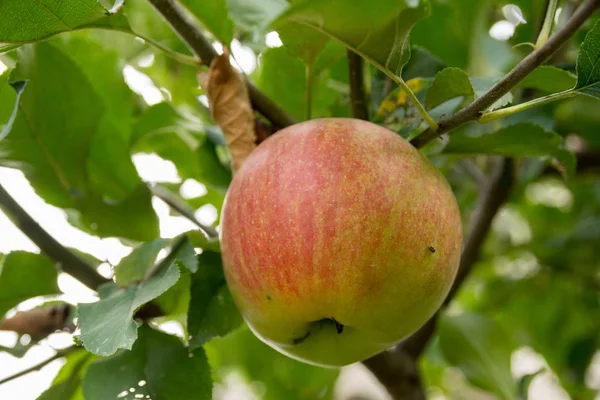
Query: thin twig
x,y
198,43
469,166
182,208
396,368
357,86
59,354
68,261
548,23
525,67
495,195
180,57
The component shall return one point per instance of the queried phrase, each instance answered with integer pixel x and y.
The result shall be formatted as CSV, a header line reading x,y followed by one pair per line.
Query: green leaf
x,y
104,70
49,137
214,15
520,140
588,64
282,77
12,98
579,115
457,33
198,239
67,384
134,266
161,129
378,30
16,283
448,84
481,349
549,79
255,14
30,20
187,256
212,312
174,303
58,144
280,376
422,64
107,325
133,217
168,369
302,42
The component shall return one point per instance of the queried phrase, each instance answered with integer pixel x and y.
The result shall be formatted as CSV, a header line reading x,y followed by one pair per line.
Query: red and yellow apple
x,y
338,239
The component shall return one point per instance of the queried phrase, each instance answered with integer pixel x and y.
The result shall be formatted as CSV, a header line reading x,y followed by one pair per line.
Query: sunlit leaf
x,y
107,324
378,30
29,20
588,64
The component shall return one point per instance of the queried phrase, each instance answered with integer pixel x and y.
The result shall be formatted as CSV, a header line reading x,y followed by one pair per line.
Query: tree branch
x,y
59,354
399,373
525,67
194,38
68,261
469,166
182,208
357,86
396,368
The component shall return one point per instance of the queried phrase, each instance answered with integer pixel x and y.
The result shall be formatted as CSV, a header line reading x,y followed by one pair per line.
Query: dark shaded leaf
x,y
16,283
520,140
281,376
168,370
67,384
212,312
134,266
549,79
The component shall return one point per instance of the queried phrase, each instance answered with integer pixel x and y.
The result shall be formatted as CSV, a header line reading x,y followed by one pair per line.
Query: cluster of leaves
x,y
71,124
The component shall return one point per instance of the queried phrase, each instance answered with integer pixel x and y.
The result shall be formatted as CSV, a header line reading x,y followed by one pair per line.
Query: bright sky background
x,y
354,379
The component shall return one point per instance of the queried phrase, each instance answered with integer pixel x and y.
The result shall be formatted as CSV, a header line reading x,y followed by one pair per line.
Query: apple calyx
x,y
339,328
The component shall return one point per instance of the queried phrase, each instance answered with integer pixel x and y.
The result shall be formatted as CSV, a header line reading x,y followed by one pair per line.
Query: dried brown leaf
x,y
230,107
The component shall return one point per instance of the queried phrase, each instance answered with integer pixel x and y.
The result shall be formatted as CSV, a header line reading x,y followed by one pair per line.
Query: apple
x,y
338,240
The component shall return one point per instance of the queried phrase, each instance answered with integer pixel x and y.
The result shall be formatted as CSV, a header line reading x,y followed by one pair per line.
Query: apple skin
x,y
338,240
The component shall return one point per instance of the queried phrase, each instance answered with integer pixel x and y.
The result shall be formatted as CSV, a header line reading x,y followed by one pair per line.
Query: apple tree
x,y
497,97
